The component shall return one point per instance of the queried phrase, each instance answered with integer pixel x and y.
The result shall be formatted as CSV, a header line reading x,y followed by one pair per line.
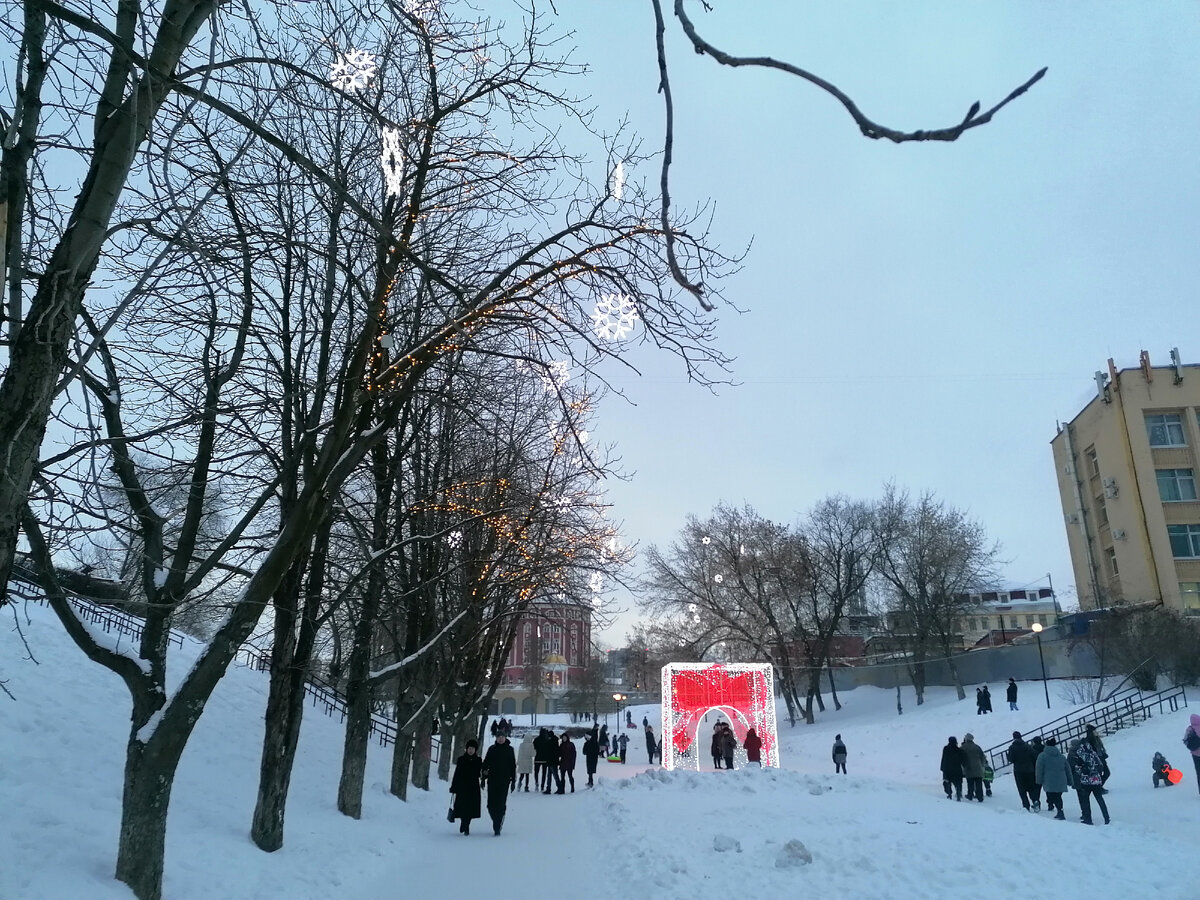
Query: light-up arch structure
x,y
743,691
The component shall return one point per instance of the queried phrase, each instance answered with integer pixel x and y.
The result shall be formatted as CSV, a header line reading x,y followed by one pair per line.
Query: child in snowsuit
x,y
1161,768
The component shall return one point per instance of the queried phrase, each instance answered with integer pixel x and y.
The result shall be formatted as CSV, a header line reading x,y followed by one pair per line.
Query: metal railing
x,y
1124,710
324,695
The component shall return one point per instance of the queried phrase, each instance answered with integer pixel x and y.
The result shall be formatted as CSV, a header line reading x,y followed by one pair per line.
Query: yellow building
x,y
1126,468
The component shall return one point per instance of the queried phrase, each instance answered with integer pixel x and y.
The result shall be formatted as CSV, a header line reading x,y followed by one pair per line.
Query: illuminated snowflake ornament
x,y
706,540
616,181
743,693
614,316
718,578
555,375
353,71
596,582
392,162
421,9
454,540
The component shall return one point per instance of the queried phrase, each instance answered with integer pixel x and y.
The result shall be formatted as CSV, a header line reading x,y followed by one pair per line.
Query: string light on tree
x,y
392,162
614,316
353,71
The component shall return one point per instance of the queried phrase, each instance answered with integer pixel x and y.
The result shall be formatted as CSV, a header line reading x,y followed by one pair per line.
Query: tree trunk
x,y
149,778
402,757
422,750
808,710
837,704
958,688
358,716
445,751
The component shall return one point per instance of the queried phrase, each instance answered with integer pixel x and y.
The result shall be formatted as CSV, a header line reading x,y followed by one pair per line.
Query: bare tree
x,y
933,554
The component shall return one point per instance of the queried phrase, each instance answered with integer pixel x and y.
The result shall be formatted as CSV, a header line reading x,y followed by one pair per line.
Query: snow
x,y
883,830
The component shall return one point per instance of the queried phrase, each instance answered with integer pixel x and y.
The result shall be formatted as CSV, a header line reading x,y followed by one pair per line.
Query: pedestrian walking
x,y
1191,740
1087,774
1011,695
729,744
1035,744
989,775
753,745
1054,775
525,754
464,786
591,753
651,744
987,700
645,722
553,776
622,743
952,767
980,703
1024,765
541,758
973,764
1093,738
604,738
566,763
500,776
839,755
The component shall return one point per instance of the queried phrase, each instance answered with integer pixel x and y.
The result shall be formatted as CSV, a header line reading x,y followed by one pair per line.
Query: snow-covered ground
x,y
885,830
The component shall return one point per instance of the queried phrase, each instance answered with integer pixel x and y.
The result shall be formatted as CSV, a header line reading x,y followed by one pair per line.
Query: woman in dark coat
x,y
500,772
591,753
566,764
465,786
953,761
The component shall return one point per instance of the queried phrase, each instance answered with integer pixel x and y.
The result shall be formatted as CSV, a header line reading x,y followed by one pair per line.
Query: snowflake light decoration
x,y
596,582
718,578
741,692
555,375
616,181
421,9
706,540
353,71
454,540
614,316
392,162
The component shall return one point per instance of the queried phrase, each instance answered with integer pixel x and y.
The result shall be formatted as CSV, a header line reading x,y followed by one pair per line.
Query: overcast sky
x,y
922,313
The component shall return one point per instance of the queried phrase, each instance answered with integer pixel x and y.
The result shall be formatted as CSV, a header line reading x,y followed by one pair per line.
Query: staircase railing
x,y
324,695
1125,710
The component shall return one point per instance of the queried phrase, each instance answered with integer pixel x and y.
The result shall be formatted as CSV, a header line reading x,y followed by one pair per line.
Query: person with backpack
x,y
1087,773
1093,738
1054,775
839,755
1191,740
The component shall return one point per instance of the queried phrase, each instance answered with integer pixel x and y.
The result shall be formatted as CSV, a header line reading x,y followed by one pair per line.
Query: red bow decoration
x,y
695,691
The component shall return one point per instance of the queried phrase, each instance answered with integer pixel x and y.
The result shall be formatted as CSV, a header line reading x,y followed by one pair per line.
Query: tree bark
x,y
422,751
140,855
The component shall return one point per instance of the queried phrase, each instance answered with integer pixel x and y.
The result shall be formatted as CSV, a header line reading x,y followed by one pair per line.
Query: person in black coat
x,y
500,774
464,786
1024,766
987,700
1011,694
541,757
552,752
566,764
1035,793
953,761
591,753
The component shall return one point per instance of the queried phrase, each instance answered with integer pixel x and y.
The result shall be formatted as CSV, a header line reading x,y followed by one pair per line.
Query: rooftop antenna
x,y
1177,364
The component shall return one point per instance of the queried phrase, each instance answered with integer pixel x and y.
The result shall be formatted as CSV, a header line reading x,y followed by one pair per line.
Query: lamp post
x,y
618,698
1037,630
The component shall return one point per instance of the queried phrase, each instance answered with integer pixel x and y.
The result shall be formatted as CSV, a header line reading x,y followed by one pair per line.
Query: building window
x,y
1189,593
1041,620
1029,621
1111,555
1185,541
1165,430
1093,464
983,624
1101,510
1176,485
1014,622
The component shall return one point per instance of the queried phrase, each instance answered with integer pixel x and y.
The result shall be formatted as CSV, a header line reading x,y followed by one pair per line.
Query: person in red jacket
x,y
566,764
753,745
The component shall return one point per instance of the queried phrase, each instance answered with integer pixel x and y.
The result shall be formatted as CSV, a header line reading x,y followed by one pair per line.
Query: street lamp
x,y
618,698
1037,630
